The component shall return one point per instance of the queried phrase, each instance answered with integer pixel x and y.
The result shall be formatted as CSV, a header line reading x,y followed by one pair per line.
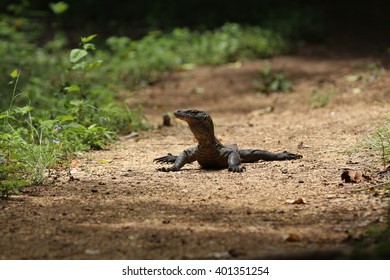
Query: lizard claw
x,y
237,169
166,159
164,169
167,169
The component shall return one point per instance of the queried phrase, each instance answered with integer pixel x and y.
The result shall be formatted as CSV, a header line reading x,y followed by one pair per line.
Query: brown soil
x,y
119,207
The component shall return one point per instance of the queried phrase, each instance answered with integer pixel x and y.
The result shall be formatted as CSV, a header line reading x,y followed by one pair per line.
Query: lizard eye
x,y
194,112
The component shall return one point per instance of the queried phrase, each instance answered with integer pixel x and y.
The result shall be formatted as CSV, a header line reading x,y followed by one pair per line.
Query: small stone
x,y
90,251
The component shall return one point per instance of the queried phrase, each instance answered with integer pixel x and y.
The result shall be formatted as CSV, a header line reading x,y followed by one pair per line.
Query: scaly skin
x,y
212,154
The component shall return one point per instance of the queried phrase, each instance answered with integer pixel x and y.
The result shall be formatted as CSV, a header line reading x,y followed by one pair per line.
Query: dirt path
x,y
119,207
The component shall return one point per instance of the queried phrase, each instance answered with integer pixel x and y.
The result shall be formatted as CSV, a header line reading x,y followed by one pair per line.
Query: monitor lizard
x,y
210,152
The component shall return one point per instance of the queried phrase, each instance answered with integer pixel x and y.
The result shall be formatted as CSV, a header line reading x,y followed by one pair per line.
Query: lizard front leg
x,y
234,161
187,156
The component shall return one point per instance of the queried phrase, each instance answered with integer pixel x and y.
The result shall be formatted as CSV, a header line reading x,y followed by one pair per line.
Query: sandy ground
x,y
117,206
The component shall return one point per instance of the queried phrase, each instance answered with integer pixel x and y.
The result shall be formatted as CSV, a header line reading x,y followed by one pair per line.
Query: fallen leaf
x,y
90,251
351,176
301,145
352,78
235,253
132,237
296,201
219,255
198,90
261,112
73,171
74,163
353,162
292,237
384,168
235,65
356,90
131,135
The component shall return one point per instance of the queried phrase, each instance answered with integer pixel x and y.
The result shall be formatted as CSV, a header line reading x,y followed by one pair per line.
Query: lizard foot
x,y
289,156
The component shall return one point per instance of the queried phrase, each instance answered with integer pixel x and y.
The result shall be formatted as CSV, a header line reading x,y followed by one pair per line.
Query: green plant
x,y
369,72
25,147
10,182
79,59
272,82
139,62
375,71
320,99
379,142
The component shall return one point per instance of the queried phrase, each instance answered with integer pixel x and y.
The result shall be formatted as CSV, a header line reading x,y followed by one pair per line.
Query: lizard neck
x,y
209,143
204,135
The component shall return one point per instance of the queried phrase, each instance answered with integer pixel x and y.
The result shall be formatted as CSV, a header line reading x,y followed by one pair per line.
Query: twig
x,y
375,186
383,149
381,184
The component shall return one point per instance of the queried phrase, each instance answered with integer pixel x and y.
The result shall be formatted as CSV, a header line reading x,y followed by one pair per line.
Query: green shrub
x,y
133,62
81,115
379,142
269,81
320,99
9,183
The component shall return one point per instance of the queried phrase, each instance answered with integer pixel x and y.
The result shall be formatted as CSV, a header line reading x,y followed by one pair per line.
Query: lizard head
x,y
199,122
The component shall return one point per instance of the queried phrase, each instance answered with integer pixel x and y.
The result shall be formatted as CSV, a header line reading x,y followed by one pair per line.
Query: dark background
x,y
315,21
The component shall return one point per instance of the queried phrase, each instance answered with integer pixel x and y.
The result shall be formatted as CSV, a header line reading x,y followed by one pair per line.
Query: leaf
x,y
198,90
77,54
89,46
46,124
266,70
94,64
59,8
78,66
85,40
23,110
74,127
76,103
352,78
73,88
292,237
351,176
186,67
64,118
15,73
3,116
74,163
296,201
